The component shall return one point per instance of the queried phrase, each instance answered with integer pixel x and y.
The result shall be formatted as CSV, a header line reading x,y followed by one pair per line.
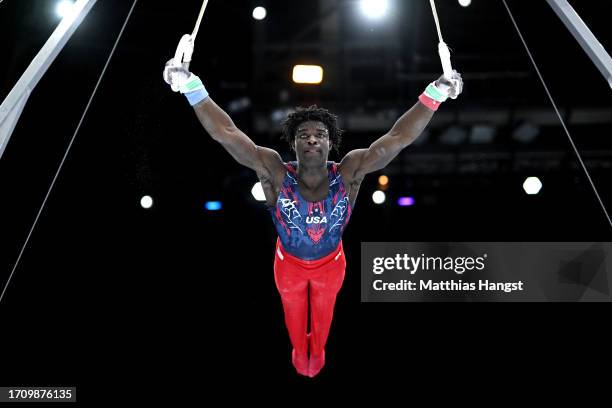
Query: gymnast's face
x,y
312,143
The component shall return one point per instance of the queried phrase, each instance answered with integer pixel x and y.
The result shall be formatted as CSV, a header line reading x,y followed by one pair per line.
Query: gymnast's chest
x,y
314,195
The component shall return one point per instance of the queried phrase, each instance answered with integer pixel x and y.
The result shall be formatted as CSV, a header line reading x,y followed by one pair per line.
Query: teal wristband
x,y
433,92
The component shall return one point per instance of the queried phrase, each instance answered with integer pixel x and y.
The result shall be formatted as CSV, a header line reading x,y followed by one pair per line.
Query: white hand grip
x,y
447,68
178,56
184,51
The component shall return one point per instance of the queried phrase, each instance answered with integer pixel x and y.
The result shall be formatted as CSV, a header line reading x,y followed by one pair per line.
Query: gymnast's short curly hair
x,y
316,114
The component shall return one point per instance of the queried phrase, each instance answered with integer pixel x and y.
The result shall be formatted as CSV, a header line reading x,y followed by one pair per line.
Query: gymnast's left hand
x,y
452,87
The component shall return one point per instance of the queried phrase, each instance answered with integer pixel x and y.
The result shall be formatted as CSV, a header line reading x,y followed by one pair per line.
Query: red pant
x,y
299,282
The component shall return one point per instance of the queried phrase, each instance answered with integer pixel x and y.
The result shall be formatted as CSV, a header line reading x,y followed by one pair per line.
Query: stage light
x,y
532,185
526,132
307,74
453,135
374,8
383,180
213,205
378,197
405,201
239,105
259,13
465,3
64,8
257,192
146,202
482,134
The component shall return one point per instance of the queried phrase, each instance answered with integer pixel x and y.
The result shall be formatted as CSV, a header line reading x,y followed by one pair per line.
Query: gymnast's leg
x,y
324,288
293,288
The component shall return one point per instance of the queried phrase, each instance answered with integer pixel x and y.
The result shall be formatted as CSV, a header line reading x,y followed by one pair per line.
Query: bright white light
x,y
65,8
146,202
258,192
307,74
465,3
259,13
374,8
378,197
532,185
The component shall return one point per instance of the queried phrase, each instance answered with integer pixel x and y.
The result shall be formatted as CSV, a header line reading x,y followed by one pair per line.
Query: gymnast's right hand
x,y
176,75
181,80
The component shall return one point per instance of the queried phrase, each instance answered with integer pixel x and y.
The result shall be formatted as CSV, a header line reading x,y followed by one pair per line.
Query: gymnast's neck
x,y
311,171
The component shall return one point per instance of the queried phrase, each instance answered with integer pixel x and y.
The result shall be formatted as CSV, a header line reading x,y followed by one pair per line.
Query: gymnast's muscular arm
x,y
266,162
357,163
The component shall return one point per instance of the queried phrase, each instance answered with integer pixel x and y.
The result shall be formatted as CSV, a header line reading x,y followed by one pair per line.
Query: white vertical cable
x,y
435,14
197,26
552,101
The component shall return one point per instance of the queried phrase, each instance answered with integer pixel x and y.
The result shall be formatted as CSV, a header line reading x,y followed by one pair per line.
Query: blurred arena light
x,y
257,192
374,9
482,134
453,135
259,13
532,185
146,202
65,8
526,132
307,74
379,197
213,205
405,201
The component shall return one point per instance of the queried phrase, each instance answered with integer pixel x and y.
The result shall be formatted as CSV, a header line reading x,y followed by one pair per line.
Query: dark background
x,y
109,294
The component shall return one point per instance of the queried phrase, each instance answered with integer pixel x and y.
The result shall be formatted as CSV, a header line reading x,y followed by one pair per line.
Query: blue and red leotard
x,y
307,230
